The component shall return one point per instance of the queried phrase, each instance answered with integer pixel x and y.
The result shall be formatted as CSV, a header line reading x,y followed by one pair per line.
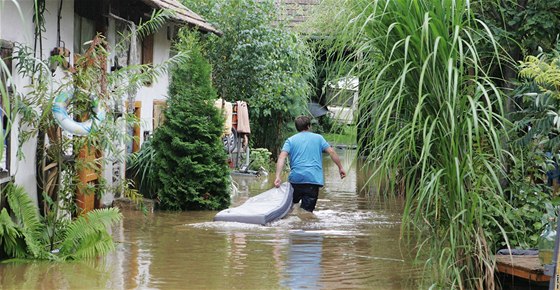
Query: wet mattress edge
x,y
261,209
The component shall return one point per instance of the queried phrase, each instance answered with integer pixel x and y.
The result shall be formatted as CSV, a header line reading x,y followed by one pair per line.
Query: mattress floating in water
x,y
261,209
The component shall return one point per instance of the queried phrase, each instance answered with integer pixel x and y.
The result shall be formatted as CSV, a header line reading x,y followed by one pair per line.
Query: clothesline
x,y
241,121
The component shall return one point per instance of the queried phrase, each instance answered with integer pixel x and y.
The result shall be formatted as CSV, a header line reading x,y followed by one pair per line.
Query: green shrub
x,y
190,158
260,158
141,168
529,192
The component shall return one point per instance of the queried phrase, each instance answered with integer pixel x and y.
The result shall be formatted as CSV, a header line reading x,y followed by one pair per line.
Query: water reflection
x,y
304,261
352,242
68,275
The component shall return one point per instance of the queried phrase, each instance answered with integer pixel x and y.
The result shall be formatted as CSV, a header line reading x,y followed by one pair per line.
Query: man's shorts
x,y
307,193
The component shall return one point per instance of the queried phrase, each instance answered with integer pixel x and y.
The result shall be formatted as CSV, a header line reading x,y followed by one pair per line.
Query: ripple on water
x,y
228,226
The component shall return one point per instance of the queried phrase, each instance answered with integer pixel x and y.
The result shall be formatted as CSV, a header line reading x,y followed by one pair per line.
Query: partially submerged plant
x,y
27,235
141,167
431,120
260,159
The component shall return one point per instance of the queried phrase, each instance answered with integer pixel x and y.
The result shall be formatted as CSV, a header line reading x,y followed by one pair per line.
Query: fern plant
x,y
24,234
26,220
87,236
10,237
544,72
538,98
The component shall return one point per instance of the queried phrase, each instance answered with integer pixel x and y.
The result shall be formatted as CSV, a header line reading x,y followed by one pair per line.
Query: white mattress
x,y
261,209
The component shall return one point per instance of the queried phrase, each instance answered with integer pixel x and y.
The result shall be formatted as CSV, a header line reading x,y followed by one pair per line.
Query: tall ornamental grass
x,y
431,120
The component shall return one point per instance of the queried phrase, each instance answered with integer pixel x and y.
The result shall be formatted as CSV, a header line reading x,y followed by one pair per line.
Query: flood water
x,y
351,242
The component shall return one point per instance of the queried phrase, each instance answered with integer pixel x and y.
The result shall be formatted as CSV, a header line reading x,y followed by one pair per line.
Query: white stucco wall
x,y
12,17
16,25
158,89
146,95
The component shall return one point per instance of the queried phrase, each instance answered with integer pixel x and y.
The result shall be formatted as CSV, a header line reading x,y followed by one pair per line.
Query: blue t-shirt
x,y
305,151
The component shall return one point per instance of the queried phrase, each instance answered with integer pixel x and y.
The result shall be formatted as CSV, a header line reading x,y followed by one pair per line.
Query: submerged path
x,y
351,242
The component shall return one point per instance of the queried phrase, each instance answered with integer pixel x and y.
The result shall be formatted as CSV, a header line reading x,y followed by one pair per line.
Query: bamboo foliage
x,y
141,166
90,75
431,120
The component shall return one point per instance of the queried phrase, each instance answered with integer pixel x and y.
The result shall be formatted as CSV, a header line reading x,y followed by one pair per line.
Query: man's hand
x,y
277,182
336,161
342,173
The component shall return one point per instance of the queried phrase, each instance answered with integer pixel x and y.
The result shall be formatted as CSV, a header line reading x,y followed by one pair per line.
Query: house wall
x,y
146,95
16,26
158,89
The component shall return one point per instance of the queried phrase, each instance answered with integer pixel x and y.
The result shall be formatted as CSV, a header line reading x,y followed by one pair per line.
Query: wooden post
x,y
554,283
88,168
85,199
138,114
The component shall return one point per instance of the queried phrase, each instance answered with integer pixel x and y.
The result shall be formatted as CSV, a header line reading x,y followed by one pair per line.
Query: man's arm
x,y
336,161
279,167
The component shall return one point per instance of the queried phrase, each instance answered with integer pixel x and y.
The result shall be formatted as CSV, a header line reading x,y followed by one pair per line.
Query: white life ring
x,y
61,116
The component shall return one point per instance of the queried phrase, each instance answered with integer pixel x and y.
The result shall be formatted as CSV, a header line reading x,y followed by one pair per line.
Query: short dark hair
x,y
303,123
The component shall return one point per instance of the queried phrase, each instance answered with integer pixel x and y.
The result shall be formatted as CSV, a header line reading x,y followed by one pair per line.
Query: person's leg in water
x,y
308,194
296,196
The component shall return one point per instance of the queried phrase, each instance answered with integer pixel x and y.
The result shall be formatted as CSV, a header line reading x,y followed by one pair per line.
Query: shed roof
x,y
183,14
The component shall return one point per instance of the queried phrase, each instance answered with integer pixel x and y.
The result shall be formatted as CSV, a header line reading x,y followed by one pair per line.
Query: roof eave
x,y
183,15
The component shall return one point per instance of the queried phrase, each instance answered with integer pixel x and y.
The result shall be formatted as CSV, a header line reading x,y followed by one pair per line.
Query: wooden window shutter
x,y
148,50
148,53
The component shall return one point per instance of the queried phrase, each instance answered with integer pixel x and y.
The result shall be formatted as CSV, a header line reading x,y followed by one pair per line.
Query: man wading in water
x,y
306,166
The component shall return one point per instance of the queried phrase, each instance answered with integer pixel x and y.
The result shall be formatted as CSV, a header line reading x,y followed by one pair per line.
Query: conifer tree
x,y
190,158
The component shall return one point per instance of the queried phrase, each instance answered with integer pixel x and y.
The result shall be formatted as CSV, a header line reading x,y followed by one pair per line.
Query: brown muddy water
x,y
351,242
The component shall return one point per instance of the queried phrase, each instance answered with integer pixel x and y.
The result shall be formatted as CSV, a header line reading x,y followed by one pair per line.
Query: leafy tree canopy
x,y
528,23
260,61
